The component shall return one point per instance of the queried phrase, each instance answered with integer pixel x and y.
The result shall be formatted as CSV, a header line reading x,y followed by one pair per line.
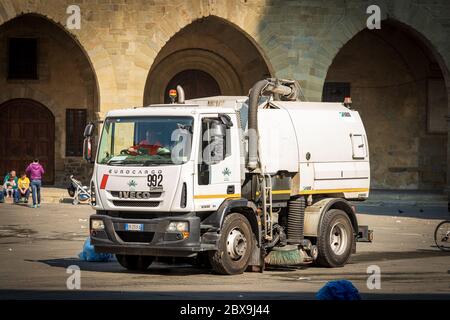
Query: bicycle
x,y
442,235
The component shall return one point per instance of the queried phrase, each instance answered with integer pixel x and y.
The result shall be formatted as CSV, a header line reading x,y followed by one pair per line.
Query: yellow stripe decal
x,y
281,192
323,191
334,191
217,196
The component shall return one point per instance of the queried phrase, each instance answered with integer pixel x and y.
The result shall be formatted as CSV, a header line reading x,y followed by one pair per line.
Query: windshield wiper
x,y
122,162
156,163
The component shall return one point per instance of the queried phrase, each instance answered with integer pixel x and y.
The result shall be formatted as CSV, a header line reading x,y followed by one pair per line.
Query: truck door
x,y
218,162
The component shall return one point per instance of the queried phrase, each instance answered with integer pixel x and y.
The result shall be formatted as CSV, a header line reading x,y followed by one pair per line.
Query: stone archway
x,y
66,84
27,132
196,84
213,46
397,84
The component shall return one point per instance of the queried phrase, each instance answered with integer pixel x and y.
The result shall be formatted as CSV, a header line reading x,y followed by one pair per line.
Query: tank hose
x,y
296,219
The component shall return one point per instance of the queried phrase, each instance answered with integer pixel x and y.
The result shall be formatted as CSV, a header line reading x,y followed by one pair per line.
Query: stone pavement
x,y
37,245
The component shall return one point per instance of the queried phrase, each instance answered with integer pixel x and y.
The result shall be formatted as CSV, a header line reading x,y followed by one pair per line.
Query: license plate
x,y
134,227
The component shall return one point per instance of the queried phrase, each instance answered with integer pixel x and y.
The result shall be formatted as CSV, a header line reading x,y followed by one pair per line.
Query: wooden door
x,y
27,131
196,84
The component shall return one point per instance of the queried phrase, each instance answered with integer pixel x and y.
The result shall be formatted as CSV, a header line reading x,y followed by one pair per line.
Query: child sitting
x,y
24,187
10,186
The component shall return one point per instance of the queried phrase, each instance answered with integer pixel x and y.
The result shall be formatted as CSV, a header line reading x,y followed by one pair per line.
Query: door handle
x,y
230,190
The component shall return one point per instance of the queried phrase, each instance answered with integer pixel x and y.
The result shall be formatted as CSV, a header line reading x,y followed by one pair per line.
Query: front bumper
x,y
154,240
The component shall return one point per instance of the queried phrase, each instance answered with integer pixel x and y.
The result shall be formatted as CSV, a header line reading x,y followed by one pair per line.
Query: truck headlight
x,y
180,226
97,225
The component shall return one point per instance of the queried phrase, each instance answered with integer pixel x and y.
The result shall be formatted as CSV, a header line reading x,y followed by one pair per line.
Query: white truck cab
x,y
183,180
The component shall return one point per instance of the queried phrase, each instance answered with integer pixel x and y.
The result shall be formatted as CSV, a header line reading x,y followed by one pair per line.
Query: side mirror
x,y
218,129
89,130
226,120
87,149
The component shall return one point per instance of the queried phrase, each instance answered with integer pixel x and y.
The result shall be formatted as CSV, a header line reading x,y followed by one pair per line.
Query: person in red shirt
x,y
150,139
151,143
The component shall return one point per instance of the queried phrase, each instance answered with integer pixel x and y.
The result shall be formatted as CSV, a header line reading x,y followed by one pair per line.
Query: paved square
x,y
37,245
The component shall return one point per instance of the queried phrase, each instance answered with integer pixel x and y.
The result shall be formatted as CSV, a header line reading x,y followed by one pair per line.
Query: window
x,y
22,58
358,146
146,141
214,147
335,91
76,120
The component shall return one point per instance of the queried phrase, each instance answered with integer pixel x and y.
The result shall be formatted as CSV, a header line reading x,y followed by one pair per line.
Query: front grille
x,y
115,194
130,203
138,214
130,236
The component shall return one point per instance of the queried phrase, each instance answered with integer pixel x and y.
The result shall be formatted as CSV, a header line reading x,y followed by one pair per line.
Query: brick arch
x,y
353,29
383,170
235,13
30,94
190,59
86,39
182,17
414,20
27,132
224,62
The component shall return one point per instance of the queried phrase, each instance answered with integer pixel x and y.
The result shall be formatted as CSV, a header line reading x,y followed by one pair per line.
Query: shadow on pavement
x,y
397,255
113,266
185,269
407,211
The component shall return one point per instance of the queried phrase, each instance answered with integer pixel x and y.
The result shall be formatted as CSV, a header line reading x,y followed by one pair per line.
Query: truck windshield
x,y
145,141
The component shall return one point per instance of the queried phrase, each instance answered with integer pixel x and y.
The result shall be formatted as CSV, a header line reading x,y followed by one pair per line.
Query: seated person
x,y
11,185
24,187
2,194
151,139
151,143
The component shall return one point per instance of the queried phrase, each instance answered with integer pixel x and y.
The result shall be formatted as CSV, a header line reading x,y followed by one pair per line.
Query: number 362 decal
x,y
155,180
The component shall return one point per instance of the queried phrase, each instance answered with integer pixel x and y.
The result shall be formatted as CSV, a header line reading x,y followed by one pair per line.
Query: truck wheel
x,y
335,240
235,246
135,263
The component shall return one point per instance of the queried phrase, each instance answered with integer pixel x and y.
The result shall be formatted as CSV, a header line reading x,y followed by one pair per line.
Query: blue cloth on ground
x,y
338,290
89,254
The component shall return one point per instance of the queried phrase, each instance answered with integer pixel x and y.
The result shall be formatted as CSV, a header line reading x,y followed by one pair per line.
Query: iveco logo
x,y
134,195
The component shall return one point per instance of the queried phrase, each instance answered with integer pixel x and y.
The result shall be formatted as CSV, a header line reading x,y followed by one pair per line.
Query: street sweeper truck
x,y
243,182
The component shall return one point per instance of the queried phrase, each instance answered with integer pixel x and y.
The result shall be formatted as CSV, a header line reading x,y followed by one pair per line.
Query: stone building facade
x,y
128,52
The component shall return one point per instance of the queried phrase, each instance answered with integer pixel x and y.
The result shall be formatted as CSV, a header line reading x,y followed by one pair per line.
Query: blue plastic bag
x,y
89,254
338,290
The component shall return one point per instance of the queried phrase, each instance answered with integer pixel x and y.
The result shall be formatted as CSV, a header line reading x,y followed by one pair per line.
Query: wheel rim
x,y
442,236
338,238
236,244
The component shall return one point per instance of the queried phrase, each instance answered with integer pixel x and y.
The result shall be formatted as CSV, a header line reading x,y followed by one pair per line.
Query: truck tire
x,y
335,239
235,246
135,263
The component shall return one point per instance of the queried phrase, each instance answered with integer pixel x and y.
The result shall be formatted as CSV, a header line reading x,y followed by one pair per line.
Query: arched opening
x,y
42,62
207,52
397,84
27,131
196,84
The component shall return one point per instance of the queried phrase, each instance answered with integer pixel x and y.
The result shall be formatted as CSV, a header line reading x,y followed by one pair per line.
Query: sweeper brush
x,y
285,256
